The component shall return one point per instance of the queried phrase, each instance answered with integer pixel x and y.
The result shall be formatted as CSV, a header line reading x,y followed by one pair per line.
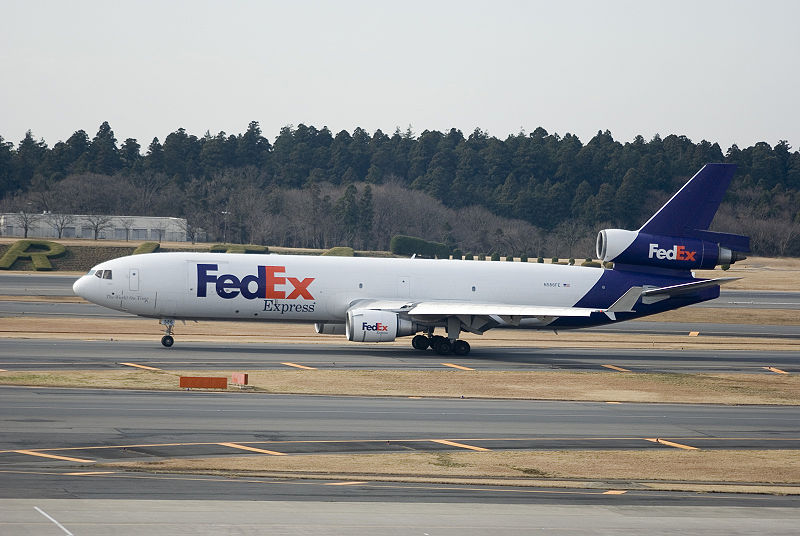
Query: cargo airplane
x,y
378,299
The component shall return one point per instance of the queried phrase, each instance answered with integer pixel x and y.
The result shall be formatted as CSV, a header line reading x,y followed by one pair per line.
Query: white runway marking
x,y
48,516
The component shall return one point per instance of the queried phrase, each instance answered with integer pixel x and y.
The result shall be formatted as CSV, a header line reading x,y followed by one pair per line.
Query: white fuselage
x,y
317,289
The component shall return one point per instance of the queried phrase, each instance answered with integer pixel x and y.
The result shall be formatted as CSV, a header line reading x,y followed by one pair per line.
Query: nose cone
x,y
79,287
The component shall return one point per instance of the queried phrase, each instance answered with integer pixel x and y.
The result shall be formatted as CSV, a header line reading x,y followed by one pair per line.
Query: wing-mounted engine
x,y
376,325
678,253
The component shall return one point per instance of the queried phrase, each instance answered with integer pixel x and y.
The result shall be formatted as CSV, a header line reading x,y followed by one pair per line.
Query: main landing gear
x,y
167,340
441,345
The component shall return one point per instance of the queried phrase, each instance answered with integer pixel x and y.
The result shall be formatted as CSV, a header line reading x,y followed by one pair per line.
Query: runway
x,y
49,354
52,440
75,429
87,310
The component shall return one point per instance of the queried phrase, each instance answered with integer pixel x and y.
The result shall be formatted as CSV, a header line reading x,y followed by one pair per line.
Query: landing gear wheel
x,y
461,347
420,342
444,347
168,324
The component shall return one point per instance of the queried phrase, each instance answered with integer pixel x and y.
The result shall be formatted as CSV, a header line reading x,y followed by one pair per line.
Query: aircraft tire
x,y
461,347
167,340
444,347
420,342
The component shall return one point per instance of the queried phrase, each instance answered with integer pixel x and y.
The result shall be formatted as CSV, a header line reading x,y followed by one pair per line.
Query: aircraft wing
x,y
443,308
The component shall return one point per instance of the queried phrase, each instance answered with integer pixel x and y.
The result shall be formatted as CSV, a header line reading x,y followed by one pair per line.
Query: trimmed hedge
x,y
495,256
339,251
146,247
238,248
37,251
411,245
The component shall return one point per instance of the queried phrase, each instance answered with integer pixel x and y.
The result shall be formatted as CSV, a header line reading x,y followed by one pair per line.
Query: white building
x,y
47,225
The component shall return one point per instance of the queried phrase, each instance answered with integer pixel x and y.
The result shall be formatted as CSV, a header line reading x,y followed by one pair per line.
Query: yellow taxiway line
x,y
671,444
453,365
775,370
619,369
460,445
53,456
145,367
295,365
252,449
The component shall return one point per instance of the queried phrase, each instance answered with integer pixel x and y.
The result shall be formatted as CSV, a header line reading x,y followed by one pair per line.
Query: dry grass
x,y
764,388
48,299
722,315
760,273
676,469
99,379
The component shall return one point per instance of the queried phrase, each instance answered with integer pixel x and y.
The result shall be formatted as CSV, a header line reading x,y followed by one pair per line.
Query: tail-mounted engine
x,y
642,249
374,325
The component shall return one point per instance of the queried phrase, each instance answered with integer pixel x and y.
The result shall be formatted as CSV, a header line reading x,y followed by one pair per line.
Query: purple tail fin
x,y
690,211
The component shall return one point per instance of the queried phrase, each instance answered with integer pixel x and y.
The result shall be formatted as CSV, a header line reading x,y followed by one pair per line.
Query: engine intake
x,y
371,325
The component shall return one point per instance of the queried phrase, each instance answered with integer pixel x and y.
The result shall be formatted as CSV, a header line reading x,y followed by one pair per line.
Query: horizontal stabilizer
x,y
675,290
731,241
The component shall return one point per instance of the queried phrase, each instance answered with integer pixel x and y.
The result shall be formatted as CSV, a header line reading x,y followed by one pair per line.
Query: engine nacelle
x,y
642,249
330,329
370,325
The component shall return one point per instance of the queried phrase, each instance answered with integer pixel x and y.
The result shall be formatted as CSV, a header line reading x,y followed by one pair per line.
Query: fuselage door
x,y
133,278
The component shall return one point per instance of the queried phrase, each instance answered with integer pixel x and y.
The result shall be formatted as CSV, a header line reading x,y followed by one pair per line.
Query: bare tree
x,y
26,220
190,228
99,223
59,222
127,224
569,233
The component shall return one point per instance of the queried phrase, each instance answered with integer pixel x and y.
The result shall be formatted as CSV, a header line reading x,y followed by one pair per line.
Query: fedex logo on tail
x,y
268,283
374,327
677,253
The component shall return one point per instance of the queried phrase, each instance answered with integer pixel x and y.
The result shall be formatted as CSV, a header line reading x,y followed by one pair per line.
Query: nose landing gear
x,y
167,340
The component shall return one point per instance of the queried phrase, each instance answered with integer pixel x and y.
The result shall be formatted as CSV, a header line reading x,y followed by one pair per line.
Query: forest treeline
x,y
535,193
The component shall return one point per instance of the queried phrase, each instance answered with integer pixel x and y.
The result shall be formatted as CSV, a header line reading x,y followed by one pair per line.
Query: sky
x,y
723,71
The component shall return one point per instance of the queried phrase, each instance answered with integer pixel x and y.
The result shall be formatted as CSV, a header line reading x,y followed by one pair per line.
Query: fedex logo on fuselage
x,y
266,283
374,327
677,253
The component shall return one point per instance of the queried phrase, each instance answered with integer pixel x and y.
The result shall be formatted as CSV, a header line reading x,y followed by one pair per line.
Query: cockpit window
x,y
99,273
91,272
107,274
